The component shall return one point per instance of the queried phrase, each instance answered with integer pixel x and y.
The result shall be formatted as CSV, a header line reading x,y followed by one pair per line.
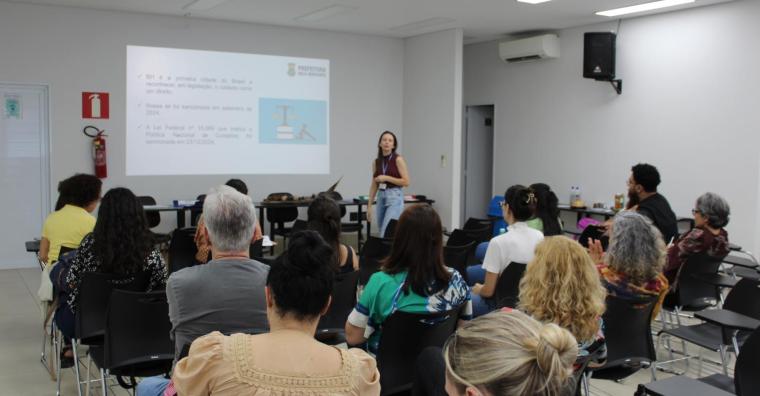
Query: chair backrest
x,y
256,249
197,209
461,237
343,301
65,249
390,229
299,225
473,223
690,291
153,217
282,215
94,294
182,249
404,336
746,379
137,342
744,298
456,257
507,292
374,250
684,224
627,330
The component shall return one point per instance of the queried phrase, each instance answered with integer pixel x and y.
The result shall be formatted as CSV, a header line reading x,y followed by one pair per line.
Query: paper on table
x,y
267,242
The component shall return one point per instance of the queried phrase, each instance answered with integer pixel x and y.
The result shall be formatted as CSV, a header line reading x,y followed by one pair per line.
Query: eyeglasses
x,y
695,211
503,204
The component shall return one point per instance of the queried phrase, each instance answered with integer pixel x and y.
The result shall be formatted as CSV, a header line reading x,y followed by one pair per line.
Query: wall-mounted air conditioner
x,y
529,49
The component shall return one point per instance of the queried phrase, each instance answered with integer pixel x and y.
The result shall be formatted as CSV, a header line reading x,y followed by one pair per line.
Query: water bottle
x,y
577,194
572,195
502,230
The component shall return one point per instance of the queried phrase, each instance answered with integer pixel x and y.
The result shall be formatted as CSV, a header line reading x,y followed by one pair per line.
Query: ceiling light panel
x,y
643,7
324,13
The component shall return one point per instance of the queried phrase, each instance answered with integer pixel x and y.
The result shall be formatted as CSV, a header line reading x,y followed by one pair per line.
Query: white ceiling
x,y
481,19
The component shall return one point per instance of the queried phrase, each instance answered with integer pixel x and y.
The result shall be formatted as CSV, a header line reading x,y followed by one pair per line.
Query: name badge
x,y
382,186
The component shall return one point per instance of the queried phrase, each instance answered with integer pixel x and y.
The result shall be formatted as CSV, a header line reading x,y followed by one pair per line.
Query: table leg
x,y
181,218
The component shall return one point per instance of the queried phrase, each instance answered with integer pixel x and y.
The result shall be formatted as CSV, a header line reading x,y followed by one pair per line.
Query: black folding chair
x,y
154,219
390,229
507,292
692,292
404,336
136,342
746,381
182,249
628,334
90,316
456,257
277,217
718,333
331,327
473,223
373,251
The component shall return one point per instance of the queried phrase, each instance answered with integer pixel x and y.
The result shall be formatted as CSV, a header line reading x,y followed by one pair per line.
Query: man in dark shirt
x,y
644,198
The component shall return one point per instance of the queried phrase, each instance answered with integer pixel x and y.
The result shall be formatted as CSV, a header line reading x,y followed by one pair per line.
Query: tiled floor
x,y
22,374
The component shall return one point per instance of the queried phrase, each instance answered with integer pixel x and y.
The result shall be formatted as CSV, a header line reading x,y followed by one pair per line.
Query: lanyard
x,y
386,163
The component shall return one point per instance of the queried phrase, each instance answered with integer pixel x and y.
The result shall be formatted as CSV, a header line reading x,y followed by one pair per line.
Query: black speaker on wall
x,y
599,55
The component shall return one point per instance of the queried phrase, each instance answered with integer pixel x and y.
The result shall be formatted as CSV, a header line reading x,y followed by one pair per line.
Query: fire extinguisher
x,y
98,150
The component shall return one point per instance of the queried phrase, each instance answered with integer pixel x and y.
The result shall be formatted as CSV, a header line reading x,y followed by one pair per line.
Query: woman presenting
x,y
389,175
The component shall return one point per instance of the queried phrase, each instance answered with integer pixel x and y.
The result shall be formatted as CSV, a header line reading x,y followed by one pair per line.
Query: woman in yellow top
x,y
78,197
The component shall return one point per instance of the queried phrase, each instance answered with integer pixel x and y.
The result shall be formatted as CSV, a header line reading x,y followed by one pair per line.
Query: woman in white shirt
x,y
516,246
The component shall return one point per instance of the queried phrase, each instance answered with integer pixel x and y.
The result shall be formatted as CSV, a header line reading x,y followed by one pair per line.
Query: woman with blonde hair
x,y
509,353
561,285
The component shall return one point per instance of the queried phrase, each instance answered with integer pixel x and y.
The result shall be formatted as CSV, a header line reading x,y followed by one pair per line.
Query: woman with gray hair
x,y
632,266
708,236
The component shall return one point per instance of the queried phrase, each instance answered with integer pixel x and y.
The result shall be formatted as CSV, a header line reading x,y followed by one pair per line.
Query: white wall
x,y
75,50
433,119
689,106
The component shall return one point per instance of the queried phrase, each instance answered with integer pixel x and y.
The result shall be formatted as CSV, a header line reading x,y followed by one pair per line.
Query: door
x,y
24,170
478,160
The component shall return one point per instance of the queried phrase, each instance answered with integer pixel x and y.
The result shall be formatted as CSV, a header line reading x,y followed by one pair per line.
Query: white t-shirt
x,y
516,246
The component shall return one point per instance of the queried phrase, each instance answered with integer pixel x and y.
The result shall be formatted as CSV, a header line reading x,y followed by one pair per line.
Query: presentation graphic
x,y
192,112
292,121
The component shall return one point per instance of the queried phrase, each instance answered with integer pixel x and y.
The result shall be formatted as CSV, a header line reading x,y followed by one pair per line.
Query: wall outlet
x,y
443,160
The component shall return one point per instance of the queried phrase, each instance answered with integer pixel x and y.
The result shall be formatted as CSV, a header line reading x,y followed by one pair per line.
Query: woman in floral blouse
x,y
120,244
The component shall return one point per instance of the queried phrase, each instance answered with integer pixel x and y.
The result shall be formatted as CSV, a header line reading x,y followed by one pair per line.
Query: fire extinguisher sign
x,y
95,105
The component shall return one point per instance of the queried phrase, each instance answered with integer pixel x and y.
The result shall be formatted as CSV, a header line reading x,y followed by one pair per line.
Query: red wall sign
x,y
95,105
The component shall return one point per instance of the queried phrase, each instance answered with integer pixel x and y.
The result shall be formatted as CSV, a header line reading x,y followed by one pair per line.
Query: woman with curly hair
x,y
562,286
632,266
121,244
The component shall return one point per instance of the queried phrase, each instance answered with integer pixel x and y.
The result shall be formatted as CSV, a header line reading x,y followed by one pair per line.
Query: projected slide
x,y
193,112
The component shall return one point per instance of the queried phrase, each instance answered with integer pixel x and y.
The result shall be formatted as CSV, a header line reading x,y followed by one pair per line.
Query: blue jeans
x,y
390,204
152,386
476,274
481,305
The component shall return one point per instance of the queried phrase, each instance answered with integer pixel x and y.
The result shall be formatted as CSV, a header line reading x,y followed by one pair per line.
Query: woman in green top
x,y
413,279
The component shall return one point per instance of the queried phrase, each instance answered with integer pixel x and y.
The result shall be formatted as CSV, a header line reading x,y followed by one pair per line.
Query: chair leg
x,y
700,363
722,350
736,345
584,382
103,381
653,368
56,356
76,367
89,363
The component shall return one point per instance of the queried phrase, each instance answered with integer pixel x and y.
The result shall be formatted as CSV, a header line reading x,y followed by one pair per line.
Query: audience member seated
x,y
288,360
561,285
78,196
227,293
516,246
644,198
546,218
413,279
324,217
120,244
708,235
202,242
632,266
509,353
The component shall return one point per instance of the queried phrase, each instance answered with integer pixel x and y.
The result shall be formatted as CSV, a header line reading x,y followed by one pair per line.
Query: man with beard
x,y
644,198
